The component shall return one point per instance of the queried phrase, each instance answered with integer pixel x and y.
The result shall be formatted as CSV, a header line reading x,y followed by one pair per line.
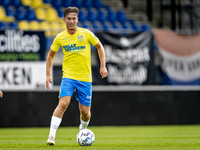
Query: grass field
x,y
107,137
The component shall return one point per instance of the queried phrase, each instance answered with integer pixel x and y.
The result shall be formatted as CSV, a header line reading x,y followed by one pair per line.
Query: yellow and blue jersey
x,y
77,53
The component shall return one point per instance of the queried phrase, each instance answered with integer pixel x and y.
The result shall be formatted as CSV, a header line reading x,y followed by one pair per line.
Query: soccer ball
x,y
85,137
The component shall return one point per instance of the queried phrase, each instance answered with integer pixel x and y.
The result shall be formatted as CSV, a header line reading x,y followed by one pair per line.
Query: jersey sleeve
x,y
92,38
56,44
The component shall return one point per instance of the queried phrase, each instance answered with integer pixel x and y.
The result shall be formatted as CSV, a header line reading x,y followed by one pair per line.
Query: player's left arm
x,y
1,93
101,52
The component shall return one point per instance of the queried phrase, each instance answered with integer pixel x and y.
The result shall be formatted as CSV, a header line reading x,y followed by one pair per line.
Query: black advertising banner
x,y
18,45
129,58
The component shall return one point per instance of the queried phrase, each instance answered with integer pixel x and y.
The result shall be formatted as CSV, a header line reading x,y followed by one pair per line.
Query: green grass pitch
x,y
170,137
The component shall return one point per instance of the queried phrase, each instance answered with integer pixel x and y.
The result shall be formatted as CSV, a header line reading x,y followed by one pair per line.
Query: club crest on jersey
x,y
80,37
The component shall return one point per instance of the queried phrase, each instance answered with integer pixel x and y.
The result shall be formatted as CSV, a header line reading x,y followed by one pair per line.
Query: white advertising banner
x,y
181,57
183,68
22,75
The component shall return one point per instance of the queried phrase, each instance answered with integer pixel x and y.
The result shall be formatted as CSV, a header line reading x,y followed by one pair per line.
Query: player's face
x,y
71,20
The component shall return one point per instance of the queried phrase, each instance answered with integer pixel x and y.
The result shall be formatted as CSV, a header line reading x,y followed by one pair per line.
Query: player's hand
x,y
48,80
103,72
1,93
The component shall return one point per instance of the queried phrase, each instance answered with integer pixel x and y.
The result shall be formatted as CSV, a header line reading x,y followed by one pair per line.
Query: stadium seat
x,y
56,3
127,25
102,15
67,3
26,2
111,16
20,13
145,27
47,1
77,3
121,16
34,25
60,12
16,3
87,3
52,15
13,25
3,25
107,26
92,15
88,25
82,16
97,3
49,41
23,25
45,26
40,13
37,3
30,14
97,26
62,26
55,28
3,16
5,2
10,11
80,24
117,25
136,28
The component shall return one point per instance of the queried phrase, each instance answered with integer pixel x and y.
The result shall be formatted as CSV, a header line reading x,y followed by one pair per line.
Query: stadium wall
x,y
124,105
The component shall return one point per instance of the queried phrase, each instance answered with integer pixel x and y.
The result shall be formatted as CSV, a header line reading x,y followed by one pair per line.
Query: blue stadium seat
x,y
82,16
16,3
85,26
60,12
97,3
80,24
87,3
67,3
10,11
20,13
13,25
5,2
121,16
127,25
111,16
48,41
116,25
3,25
132,22
30,15
102,16
56,3
136,28
92,15
145,27
47,1
97,26
107,26
77,3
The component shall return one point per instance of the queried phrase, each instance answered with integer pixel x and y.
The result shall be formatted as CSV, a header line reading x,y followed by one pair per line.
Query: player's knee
x,y
64,105
85,113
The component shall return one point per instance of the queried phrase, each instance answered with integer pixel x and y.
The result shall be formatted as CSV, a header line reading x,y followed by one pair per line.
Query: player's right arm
x,y
1,93
49,62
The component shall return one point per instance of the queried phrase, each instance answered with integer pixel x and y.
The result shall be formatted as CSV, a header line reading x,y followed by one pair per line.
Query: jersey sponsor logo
x,y
66,40
73,48
80,38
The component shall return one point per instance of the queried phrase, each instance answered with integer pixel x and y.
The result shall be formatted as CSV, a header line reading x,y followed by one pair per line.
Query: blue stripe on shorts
x,y
83,90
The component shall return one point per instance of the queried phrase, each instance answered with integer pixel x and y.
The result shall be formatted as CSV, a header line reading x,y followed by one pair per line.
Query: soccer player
x,y
1,93
76,67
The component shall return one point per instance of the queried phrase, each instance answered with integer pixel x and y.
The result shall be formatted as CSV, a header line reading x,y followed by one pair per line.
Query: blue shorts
x,y
83,90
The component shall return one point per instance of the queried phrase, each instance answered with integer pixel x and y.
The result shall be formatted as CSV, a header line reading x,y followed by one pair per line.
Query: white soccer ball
x,y
85,137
